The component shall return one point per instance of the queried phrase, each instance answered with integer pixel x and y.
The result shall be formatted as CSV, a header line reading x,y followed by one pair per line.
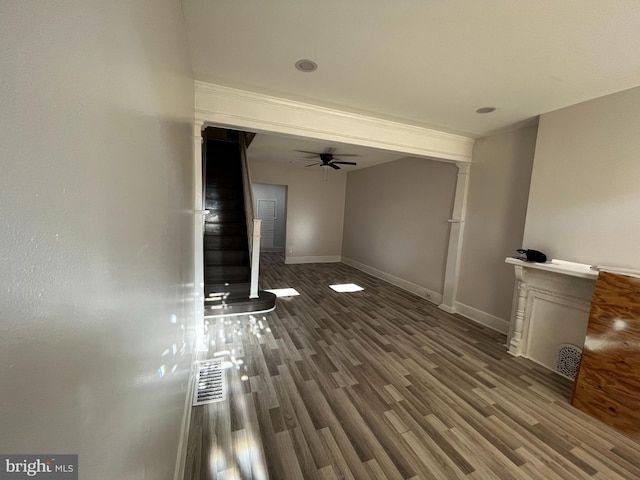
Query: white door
x,y
267,212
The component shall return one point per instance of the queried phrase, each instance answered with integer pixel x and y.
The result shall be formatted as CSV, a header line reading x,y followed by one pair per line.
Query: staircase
x,y
227,270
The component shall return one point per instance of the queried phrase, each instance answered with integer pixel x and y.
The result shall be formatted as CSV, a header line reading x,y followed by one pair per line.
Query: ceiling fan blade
x,y
347,155
346,163
310,153
332,165
313,164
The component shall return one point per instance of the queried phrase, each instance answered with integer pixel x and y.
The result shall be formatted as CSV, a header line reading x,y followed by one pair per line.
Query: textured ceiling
x,y
426,62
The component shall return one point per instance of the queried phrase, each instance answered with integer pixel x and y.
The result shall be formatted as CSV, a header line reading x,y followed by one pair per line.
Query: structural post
x,y
457,220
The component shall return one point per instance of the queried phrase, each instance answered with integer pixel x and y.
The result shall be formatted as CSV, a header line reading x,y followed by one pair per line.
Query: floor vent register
x,y
569,360
211,384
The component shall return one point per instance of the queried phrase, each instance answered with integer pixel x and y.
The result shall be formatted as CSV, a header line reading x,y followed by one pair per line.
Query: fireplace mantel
x,y
562,267
550,308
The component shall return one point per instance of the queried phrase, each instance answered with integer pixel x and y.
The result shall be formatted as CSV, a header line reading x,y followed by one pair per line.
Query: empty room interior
x,y
320,240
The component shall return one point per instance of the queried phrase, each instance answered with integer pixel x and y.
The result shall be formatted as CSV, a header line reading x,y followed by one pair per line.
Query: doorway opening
x,y
271,207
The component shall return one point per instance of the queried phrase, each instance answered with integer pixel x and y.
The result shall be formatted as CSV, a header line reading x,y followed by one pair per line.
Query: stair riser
x,y
214,242
225,194
226,216
228,275
224,185
230,258
231,173
233,290
226,229
232,205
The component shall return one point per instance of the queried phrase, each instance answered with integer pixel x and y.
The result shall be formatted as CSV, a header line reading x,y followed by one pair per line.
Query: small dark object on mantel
x,y
533,255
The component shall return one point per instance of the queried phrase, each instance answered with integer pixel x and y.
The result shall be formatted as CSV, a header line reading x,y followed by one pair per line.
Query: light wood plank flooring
x,y
381,384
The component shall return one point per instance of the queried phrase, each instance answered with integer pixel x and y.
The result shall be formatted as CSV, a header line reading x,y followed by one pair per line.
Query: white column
x,y
515,345
452,271
198,210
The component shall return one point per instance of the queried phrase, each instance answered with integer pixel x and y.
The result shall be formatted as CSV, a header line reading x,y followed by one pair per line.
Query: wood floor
x,y
380,384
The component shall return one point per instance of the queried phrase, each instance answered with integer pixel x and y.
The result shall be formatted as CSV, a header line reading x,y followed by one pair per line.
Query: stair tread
x,y
226,258
232,268
238,242
237,305
231,251
226,274
229,236
231,289
225,222
226,209
222,242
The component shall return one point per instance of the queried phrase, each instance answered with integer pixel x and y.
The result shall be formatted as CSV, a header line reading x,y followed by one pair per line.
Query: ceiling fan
x,y
327,159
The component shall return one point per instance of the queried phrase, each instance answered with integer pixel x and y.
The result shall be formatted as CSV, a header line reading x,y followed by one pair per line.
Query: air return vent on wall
x,y
568,360
210,382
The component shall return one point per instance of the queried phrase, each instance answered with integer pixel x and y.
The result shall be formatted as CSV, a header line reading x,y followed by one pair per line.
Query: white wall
x,y
496,210
96,245
584,203
396,221
315,210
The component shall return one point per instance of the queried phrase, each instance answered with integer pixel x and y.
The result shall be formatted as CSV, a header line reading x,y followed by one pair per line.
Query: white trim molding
x,y
186,417
198,206
483,318
317,259
423,292
244,110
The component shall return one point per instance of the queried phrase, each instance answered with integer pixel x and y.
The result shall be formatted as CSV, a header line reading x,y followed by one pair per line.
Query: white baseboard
x,y
423,292
327,259
551,369
478,316
186,416
483,318
447,308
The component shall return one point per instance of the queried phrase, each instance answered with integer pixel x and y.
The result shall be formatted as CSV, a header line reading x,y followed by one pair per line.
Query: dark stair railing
x,y
231,233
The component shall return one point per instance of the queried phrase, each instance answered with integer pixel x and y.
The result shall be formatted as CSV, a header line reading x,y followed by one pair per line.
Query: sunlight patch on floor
x,y
284,292
346,287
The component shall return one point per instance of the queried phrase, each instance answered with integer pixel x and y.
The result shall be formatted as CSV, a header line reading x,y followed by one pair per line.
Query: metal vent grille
x,y
569,360
210,382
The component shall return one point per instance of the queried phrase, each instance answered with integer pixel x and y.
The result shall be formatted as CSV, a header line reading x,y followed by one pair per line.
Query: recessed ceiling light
x,y
306,65
486,110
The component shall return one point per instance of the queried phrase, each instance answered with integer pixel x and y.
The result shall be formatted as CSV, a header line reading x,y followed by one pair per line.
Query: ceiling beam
x,y
244,110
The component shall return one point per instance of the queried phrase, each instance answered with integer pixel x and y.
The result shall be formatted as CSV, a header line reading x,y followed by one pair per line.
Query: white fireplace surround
x,y
550,308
